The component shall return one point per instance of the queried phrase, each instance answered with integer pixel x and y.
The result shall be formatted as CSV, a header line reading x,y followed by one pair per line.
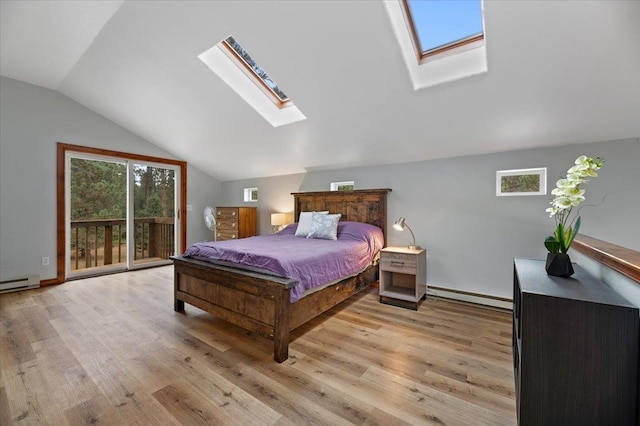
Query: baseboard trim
x,y
471,297
52,281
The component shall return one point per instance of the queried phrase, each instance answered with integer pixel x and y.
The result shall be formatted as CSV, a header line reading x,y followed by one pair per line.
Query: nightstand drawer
x,y
399,265
398,257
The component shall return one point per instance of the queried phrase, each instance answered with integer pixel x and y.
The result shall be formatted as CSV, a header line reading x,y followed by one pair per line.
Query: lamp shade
x,y
399,224
278,219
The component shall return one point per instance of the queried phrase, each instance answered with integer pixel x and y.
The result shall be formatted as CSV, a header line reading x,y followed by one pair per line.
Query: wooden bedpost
x,y
281,326
178,305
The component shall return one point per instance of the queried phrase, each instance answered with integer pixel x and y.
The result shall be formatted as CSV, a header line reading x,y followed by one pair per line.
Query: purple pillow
x,y
360,231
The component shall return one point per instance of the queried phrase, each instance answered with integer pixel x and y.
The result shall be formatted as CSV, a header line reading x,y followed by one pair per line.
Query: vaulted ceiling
x,y
558,73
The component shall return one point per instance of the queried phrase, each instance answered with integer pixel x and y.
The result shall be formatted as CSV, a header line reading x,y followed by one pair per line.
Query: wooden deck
x,y
111,350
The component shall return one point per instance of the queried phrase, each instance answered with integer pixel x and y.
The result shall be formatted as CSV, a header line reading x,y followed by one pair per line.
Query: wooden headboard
x,y
361,205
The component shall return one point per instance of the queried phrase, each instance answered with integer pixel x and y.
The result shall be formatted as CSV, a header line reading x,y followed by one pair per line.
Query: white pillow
x,y
324,226
304,223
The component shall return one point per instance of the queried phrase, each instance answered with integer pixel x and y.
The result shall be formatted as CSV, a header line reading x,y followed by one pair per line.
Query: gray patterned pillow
x,y
304,223
324,226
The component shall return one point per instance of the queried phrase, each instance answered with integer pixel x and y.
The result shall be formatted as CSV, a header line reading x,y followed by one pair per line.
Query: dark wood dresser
x,y
575,349
236,222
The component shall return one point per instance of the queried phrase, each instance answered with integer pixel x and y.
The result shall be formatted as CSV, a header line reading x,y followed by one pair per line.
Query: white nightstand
x,y
403,276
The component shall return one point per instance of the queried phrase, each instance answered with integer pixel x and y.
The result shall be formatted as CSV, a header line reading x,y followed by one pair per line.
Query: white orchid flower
x,y
575,200
573,192
568,195
575,178
578,168
561,183
582,159
562,203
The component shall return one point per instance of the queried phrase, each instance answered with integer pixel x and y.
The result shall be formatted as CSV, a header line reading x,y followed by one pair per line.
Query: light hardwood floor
x,y
111,350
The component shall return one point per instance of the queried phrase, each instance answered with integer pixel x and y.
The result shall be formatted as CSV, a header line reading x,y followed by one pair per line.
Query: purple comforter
x,y
311,262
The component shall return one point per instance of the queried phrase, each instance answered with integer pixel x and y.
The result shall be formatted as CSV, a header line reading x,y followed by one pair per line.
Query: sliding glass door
x,y
120,214
154,211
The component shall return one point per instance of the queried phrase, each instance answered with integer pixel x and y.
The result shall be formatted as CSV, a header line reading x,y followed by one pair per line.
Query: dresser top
x,y
583,286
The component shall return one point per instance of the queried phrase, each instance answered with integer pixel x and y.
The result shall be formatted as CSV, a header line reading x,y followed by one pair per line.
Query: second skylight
x,y
231,62
440,24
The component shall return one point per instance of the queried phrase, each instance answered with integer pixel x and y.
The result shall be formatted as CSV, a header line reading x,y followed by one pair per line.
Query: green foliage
x,y
552,244
98,190
520,183
154,192
562,238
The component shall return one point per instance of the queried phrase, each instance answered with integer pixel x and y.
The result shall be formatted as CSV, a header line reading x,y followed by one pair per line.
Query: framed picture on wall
x,y
521,182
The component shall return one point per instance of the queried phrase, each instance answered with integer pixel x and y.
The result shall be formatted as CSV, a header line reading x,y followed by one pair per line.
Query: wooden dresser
x,y
575,349
236,222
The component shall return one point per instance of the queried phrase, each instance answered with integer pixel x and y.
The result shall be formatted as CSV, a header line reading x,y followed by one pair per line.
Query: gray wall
x,y
472,235
32,120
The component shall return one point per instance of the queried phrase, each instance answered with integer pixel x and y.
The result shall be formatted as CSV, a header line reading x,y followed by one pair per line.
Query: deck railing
x,y
103,242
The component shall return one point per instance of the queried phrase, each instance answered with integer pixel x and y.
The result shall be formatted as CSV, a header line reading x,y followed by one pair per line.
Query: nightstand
x,y
403,276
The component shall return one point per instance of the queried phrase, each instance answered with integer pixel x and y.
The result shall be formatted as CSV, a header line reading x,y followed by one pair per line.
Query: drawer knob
x,y
233,225
396,263
233,237
233,213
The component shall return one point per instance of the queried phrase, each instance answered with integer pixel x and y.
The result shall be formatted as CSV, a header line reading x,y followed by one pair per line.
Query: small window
x,y
342,186
250,195
521,182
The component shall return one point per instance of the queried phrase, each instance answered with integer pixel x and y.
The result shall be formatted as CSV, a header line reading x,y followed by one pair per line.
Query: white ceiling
x,y
559,73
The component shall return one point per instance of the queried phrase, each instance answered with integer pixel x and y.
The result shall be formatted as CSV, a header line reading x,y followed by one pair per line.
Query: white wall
x,y
471,235
32,120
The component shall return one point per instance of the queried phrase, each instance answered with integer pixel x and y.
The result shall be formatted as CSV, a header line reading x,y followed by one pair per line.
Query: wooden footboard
x,y
257,302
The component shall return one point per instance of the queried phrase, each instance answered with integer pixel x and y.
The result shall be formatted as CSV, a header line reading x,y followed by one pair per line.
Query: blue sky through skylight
x,y
440,22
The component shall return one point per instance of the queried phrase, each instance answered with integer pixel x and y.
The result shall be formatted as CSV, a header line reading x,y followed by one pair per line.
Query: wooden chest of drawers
x,y
236,222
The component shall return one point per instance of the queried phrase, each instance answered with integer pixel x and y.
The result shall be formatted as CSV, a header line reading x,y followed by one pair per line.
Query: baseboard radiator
x,y
22,283
471,297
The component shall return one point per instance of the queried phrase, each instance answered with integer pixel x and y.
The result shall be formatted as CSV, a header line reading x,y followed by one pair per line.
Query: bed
x,y
261,302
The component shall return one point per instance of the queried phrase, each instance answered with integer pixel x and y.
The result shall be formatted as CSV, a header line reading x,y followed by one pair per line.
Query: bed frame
x,y
261,303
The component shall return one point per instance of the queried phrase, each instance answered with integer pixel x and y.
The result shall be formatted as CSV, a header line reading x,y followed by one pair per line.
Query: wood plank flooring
x,y
111,350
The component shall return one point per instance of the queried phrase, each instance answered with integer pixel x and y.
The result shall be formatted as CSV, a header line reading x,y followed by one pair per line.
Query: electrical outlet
x,y
45,261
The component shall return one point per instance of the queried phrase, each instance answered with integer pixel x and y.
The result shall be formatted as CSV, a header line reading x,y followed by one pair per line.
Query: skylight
x,y
231,62
258,72
440,25
440,41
